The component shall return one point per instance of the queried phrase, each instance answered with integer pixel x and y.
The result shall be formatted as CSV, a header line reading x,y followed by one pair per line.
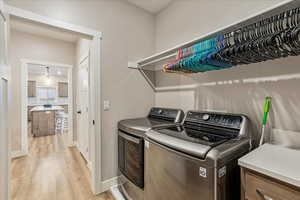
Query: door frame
x,y
95,103
4,135
24,101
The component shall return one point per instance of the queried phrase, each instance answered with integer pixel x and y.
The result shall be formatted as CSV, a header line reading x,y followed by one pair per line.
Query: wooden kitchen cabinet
x,y
31,88
43,123
63,89
29,113
255,186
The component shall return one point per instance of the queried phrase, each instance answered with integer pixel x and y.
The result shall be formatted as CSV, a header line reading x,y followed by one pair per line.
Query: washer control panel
x,y
216,119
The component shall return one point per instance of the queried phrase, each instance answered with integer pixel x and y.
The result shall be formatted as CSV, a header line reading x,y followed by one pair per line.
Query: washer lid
x,y
139,126
191,148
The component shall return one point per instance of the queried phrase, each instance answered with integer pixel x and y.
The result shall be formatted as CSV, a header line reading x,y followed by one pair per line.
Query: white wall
x,y
128,35
1,5
183,21
241,89
27,46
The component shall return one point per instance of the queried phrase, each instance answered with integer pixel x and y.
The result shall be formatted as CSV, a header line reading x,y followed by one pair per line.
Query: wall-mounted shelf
x,y
156,61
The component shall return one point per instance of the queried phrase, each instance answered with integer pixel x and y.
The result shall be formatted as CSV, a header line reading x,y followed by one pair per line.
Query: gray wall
x,y
128,34
239,90
32,47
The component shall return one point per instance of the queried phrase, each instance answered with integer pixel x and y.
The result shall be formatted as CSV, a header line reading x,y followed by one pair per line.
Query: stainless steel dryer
x,y
198,159
131,148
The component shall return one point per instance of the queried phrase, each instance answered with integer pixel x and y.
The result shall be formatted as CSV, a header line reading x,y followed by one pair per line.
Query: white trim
x,y
50,64
70,107
49,21
24,101
108,184
24,106
18,154
84,56
4,141
133,65
95,127
116,193
176,88
89,165
96,65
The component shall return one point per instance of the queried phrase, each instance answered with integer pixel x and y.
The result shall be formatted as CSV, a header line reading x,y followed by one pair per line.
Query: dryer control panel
x,y
173,115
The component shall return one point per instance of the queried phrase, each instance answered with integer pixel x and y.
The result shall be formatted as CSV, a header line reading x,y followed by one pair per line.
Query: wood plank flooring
x,y
52,171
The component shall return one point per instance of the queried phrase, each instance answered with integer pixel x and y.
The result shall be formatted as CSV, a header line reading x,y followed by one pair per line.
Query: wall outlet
x,y
106,105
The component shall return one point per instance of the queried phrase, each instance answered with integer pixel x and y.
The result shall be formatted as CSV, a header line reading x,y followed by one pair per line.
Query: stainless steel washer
x,y
131,148
198,159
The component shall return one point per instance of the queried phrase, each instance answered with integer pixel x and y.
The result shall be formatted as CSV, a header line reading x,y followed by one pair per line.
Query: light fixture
x,y
58,72
47,74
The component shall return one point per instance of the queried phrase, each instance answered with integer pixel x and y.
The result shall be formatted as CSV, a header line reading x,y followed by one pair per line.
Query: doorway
x,y
46,86
94,103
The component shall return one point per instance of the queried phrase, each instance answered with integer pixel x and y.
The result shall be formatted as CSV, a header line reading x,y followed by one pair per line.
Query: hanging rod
x,y
285,5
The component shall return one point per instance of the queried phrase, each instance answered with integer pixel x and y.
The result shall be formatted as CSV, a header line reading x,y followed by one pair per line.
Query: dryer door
x,y
131,157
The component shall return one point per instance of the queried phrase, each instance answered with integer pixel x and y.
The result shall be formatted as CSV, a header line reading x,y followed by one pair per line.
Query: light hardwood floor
x,y
52,171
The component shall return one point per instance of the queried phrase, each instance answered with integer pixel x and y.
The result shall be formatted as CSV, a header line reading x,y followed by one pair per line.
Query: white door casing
x,y
4,144
83,108
95,113
4,135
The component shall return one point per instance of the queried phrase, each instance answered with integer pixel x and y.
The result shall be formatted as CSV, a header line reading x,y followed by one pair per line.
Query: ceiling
x,y
34,69
43,30
153,6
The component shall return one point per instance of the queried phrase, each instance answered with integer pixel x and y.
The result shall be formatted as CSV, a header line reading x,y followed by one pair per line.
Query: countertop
x,y
53,104
42,108
275,161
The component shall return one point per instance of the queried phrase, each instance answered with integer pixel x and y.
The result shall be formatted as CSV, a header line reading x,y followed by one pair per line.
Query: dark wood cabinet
x,y
62,89
43,123
31,88
256,186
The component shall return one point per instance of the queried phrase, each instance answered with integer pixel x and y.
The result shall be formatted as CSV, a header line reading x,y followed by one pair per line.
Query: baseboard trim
x,y
116,193
108,184
89,165
18,154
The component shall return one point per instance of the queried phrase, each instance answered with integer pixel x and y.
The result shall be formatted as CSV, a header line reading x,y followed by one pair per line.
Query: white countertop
x,y
42,108
53,104
275,161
